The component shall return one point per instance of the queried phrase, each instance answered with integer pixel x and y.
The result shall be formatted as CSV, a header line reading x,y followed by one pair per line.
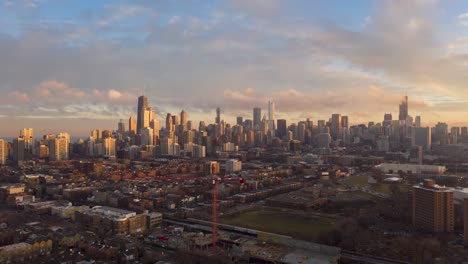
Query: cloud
x,y
121,12
54,91
463,19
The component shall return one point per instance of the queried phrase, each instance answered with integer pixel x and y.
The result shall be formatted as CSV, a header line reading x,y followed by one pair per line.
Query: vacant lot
x,y
299,225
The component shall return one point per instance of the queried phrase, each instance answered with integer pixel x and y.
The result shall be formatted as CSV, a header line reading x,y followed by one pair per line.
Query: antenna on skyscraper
x,y
144,89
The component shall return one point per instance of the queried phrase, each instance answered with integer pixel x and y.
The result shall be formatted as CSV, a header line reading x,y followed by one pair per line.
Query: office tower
x,y
248,124
169,122
271,110
109,147
132,127
142,107
189,125
166,142
344,122
441,133
106,133
198,151
58,148
183,120
175,121
240,121
257,117
96,134
455,134
433,207
146,136
404,109
281,128
28,135
121,128
149,116
383,144
464,131
154,124
336,126
321,125
201,126
465,220
18,149
301,129
43,151
417,121
422,137
416,155
323,140
218,116
3,152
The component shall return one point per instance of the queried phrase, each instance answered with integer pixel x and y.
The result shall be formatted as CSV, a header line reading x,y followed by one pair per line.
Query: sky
x,y
74,66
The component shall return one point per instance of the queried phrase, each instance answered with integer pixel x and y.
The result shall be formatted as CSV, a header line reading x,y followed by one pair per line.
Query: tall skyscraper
x,y
169,122
146,136
336,126
18,149
281,128
121,128
387,119
257,117
433,208
422,137
3,151
149,116
344,122
404,109
271,110
218,116
183,120
175,121
132,128
240,120
142,107
58,148
109,147
417,121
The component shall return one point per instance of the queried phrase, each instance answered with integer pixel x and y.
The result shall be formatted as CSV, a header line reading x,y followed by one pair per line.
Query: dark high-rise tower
x,y
257,117
218,116
142,106
404,109
281,128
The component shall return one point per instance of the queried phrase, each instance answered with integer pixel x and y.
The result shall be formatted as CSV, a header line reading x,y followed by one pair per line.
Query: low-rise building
x,y
411,168
114,220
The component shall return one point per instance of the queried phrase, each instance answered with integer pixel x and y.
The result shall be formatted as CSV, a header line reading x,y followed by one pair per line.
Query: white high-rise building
x,y
233,165
198,151
58,149
109,147
146,136
271,110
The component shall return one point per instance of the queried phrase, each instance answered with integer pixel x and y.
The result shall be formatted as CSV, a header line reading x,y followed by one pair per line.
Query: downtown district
x,y
145,191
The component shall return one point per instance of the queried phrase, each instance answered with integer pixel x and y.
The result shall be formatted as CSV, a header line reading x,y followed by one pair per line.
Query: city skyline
x,y
84,69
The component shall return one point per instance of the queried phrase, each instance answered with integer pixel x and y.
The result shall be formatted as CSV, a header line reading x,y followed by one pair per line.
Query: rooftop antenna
x,y
144,89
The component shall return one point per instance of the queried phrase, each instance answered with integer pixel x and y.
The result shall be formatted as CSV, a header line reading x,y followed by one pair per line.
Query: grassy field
x,y
305,227
359,180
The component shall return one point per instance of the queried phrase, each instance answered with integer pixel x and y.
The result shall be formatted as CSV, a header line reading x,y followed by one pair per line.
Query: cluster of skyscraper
x,y
144,138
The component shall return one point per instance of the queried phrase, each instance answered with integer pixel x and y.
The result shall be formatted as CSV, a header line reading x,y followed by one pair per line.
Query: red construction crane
x,y
214,206
215,212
